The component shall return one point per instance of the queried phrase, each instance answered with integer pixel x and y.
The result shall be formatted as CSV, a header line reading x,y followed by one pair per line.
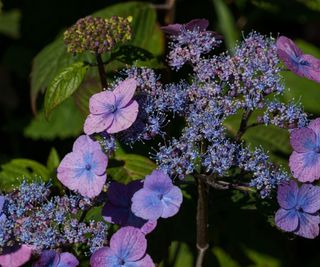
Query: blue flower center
x,y
122,262
317,149
113,108
88,167
304,63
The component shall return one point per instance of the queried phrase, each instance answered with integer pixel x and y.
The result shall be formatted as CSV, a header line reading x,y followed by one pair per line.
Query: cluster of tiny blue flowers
x,y
190,45
285,115
266,176
218,87
35,219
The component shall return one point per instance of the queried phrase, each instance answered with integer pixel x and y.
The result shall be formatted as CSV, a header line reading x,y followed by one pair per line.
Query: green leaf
x,y
223,258
64,121
128,54
53,160
132,167
227,25
13,172
46,65
180,255
64,85
262,260
10,23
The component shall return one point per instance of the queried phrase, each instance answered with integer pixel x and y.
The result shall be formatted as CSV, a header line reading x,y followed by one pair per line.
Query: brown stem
x,y
202,221
243,125
102,73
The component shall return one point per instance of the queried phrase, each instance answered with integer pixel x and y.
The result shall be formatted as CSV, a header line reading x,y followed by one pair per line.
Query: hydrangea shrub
x,y
138,106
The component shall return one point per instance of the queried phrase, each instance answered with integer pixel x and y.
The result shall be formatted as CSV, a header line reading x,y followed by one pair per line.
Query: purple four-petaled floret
x,y
84,169
113,111
127,248
299,207
304,161
158,197
118,208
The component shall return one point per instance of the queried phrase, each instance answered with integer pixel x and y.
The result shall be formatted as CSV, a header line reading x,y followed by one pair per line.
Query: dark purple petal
x,y
102,103
308,225
303,140
124,118
201,24
147,205
305,166
171,202
309,198
129,244
287,195
315,126
116,214
15,256
124,92
158,182
47,258
66,259
118,194
172,29
287,220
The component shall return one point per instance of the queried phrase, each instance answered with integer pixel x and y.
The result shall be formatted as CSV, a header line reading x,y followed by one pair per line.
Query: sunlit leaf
x,y
64,85
15,171
65,121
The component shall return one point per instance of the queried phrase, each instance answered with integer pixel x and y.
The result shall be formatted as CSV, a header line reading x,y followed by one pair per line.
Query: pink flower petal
x,y
102,103
100,257
148,227
129,243
287,195
70,166
124,92
311,67
305,166
100,162
287,220
308,225
67,259
17,257
124,118
85,144
315,126
89,187
309,198
97,123
303,140
287,48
